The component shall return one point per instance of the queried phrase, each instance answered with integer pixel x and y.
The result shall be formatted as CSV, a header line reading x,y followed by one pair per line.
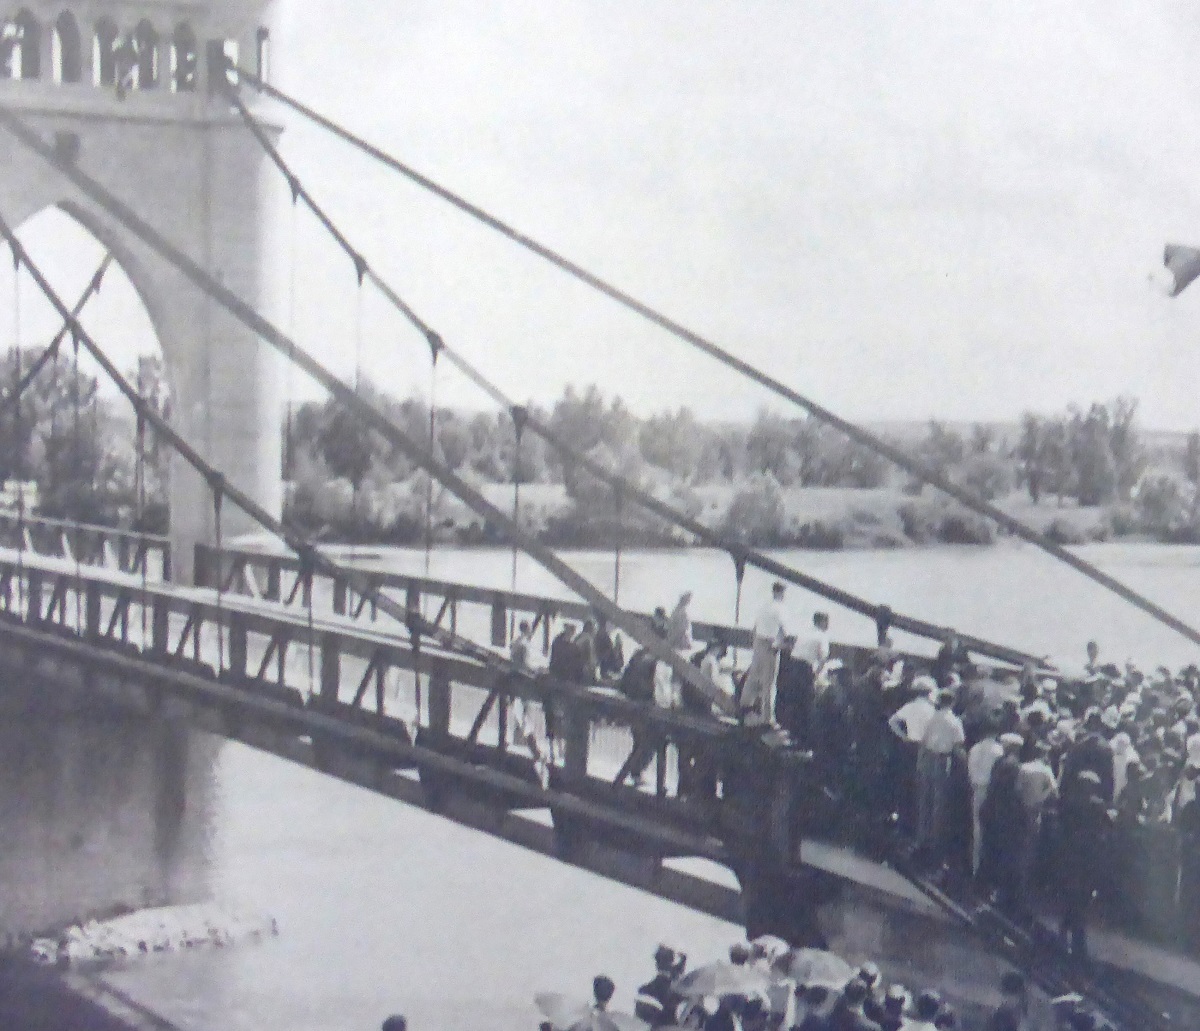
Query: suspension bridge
x,y
400,684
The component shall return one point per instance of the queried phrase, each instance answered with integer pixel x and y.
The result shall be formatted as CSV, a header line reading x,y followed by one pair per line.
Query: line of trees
x,y
82,451
1095,457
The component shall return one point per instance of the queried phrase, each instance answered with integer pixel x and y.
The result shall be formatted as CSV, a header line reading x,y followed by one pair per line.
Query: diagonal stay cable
x,y
296,540
368,414
737,550
855,433
9,398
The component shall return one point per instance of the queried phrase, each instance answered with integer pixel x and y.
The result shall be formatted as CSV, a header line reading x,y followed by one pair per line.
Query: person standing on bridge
x,y
942,737
564,662
679,625
1082,856
610,655
981,760
564,667
757,702
1186,820
585,654
801,677
520,653
1037,787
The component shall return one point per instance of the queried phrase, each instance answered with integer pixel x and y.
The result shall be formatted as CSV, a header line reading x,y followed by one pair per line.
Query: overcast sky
x,y
906,209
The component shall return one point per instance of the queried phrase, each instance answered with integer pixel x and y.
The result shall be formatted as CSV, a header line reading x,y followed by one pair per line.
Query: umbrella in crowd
x,y
566,1015
722,978
815,967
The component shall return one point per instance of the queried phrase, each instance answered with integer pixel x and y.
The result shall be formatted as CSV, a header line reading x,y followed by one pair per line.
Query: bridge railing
x,y
607,767
127,551
483,613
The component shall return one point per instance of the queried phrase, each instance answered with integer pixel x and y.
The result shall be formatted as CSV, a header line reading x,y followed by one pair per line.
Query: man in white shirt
x,y
943,735
814,647
980,759
666,689
909,721
758,689
714,664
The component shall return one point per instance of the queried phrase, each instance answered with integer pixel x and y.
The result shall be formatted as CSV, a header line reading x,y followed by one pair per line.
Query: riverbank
x,y
758,512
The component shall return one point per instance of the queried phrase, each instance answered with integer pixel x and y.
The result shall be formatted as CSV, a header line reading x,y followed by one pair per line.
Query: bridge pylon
x,y
127,89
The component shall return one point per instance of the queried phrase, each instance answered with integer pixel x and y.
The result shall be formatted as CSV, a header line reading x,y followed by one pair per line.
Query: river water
x,y
384,908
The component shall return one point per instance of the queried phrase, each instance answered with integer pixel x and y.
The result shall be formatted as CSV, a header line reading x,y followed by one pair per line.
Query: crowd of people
x,y
1032,785
1035,786
767,986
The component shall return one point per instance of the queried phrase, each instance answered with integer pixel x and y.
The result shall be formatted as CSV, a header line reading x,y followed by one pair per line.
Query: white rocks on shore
x,y
167,929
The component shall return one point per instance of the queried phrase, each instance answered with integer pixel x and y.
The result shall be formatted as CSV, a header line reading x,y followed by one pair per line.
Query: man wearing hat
x,y
1084,853
925,1012
850,1012
657,1002
895,1001
1091,752
908,724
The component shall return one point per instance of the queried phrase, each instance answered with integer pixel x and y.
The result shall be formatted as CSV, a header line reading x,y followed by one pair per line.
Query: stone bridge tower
x,y
125,89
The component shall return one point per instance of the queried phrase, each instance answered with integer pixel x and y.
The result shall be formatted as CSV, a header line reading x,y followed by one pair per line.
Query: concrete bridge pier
x,y
100,810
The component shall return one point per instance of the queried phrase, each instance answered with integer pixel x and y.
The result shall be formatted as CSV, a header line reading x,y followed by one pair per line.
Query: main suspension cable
x,y
397,437
855,433
619,484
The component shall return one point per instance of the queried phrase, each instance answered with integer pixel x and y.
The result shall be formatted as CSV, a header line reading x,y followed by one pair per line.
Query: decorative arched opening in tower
x,y
80,439
66,49
184,59
145,56
104,52
21,47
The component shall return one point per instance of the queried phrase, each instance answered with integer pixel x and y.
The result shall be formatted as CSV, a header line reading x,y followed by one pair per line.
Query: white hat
x,y
924,684
1041,707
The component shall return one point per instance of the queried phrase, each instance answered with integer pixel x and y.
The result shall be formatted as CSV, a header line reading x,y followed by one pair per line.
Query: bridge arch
x,y
66,49
128,322
21,46
145,55
104,52
184,59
